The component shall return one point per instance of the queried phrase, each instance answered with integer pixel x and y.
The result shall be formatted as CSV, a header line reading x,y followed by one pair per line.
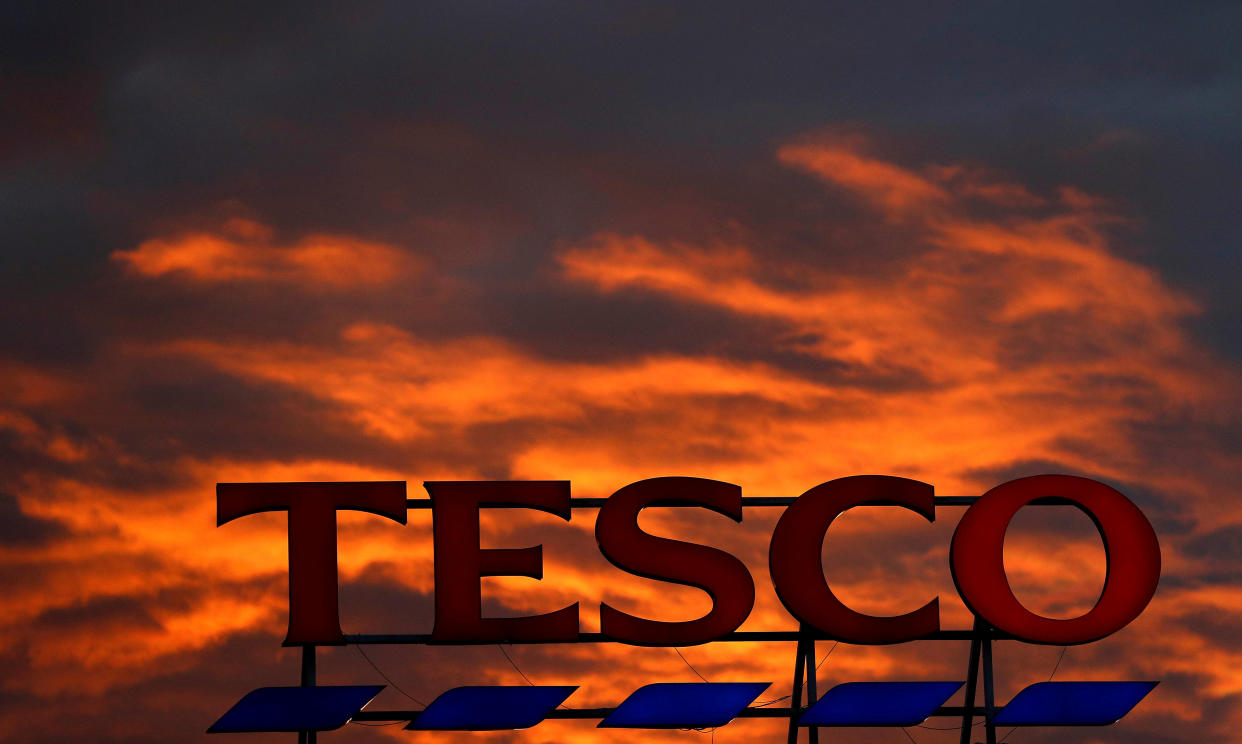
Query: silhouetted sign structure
x,y
795,567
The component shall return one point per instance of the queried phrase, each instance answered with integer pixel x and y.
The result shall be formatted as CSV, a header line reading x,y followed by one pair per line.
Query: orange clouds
x,y
26,385
1019,334
888,185
399,386
244,251
1012,330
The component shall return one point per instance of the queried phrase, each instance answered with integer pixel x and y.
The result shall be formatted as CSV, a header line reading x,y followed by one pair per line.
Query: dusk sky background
x,y
601,242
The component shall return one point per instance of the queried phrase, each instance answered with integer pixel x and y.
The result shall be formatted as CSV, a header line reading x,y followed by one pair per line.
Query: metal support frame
x,y
980,654
805,679
989,700
804,675
805,672
308,680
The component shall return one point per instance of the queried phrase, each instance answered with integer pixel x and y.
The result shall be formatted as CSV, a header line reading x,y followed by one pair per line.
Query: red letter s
x,y
714,571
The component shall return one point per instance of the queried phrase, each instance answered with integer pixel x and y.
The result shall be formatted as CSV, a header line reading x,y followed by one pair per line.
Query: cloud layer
x,y
1008,335
449,241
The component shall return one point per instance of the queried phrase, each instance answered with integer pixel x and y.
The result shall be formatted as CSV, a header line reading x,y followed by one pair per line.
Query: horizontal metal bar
x,y
746,501
738,636
956,711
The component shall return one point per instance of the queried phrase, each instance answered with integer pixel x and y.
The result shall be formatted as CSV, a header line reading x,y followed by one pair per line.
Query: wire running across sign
x,y
795,566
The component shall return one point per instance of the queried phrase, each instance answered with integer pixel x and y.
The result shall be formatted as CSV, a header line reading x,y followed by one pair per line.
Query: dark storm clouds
x,y
530,123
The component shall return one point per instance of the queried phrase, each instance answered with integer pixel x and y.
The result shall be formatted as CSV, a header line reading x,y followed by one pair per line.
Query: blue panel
x,y
491,708
684,704
1073,703
879,703
294,709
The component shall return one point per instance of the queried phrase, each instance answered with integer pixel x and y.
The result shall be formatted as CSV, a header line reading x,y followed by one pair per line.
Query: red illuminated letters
x,y
794,558
977,559
798,542
714,571
461,563
313,614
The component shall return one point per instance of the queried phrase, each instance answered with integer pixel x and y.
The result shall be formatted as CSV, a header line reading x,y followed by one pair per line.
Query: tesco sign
x,y
794,557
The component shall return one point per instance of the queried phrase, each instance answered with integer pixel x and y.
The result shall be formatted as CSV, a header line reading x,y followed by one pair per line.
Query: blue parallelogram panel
x,y
491,708
295,709
684,704
879,703
1073,703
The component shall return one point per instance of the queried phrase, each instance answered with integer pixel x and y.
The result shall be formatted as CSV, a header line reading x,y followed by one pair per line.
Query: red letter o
x,y
978,552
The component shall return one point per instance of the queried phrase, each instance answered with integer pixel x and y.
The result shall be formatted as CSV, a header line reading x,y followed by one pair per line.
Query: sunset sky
x,y
602,242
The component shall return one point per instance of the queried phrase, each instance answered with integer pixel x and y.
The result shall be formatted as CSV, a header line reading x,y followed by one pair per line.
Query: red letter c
x,y
794,559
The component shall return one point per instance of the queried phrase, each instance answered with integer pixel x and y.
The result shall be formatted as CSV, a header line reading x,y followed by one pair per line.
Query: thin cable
x,y
364,723
760,704
821,661
908,736
518,669
395,686
980,723
949,728
514,665
1058,664
1050,676
773,701
696,671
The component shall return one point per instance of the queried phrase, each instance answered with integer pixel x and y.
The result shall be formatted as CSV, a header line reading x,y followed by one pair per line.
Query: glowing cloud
x,y
1013,329
244,251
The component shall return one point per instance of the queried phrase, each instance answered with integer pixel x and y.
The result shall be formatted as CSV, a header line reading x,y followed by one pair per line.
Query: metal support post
x,y
308,680
972,681
804,679
989,701
795,701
